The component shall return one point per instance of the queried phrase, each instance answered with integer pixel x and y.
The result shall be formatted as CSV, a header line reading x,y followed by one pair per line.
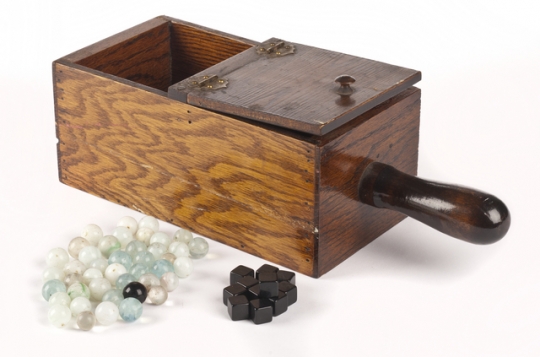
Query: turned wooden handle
x,y
471,215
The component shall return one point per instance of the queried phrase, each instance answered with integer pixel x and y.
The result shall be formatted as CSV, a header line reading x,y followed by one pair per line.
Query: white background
x,y
411,292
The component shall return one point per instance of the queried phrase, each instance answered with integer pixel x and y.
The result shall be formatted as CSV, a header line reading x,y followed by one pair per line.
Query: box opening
x,y
165,54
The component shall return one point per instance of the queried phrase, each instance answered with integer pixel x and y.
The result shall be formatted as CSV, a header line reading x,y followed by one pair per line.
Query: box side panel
x,y
226,179
389,134
144,58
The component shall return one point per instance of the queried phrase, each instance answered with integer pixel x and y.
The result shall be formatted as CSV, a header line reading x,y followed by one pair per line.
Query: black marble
x,y
135,290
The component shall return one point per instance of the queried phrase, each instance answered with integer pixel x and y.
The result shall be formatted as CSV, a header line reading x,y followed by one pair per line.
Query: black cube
x,y
238,307
247,282
279,303
233,290
268,284
289,290
239,272
260,311
284,275
266,268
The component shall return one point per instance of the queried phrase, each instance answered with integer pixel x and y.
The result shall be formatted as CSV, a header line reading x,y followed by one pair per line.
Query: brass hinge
x,y
208,82
275,47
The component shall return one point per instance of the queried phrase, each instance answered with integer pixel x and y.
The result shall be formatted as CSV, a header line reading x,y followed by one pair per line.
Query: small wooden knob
x,y
345,82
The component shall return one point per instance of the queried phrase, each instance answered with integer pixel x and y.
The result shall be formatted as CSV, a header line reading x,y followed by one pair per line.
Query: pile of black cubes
x,y
259,295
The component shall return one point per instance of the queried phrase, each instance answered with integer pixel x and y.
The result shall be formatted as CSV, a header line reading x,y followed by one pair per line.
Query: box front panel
x,y
388,134
231,181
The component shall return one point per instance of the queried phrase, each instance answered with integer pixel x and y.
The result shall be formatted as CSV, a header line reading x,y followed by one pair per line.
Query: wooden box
x,y
261,181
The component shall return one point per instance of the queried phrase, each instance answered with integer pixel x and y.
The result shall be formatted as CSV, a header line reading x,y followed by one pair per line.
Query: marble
x,y
135,247
124,235
92,233
80,304
73,267
137,270
179,249
149,222
108,244
89,254
86,320
130,309
101,264
78,289
53,273
161,237
161,267
198,248
121,257
169,257
113,271
98,287
157,249
157,295
57,257
135,290
144,234
149,280
75,246
60,297
73,278
113,295
91,274
146,258
169,281
183,267
107,313
53,286
183,235
59,315
124,279
130,223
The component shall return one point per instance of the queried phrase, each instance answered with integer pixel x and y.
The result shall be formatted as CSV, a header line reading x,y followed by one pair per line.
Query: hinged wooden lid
x,y
294,86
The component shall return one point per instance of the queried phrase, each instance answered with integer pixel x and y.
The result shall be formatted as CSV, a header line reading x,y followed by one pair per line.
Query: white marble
x,y
157,295
57,257
149,280
60,297
89,254
157,249
183,235
91,274
80,304
169,281
98,287
183,267
161,237
53,273
179,249
59,315
123,235
198,248
144,234
113,271
128,222
92,233
107,313
150,222
108,244
75,246
73,267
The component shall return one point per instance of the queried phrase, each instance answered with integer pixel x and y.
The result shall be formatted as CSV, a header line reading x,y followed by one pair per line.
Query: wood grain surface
x,y
387,133
194,49
297,91
234,182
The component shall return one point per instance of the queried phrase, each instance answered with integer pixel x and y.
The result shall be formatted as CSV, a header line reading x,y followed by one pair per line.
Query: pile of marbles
x,y
259,295
117,272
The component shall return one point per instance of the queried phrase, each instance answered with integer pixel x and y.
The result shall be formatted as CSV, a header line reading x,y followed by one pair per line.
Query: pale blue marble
x,y
113,295
121,257
52,286
161,267
145,258
124,279
130,309
138,269
135,247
